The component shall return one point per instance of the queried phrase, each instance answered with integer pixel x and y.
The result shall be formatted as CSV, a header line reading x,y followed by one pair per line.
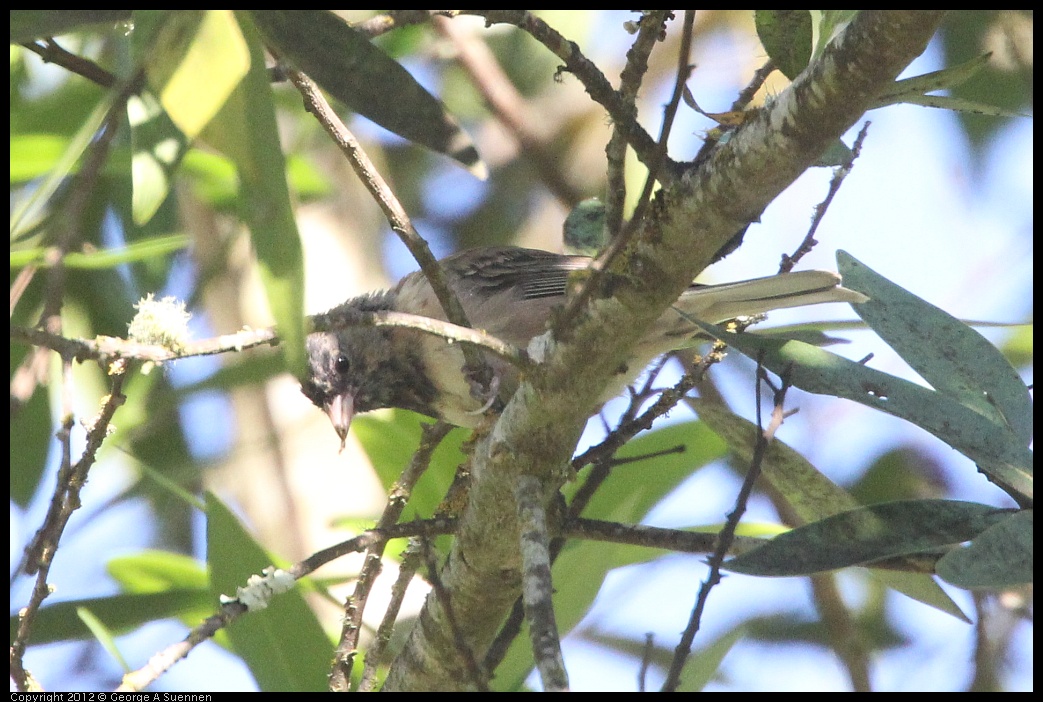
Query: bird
x,y
509,292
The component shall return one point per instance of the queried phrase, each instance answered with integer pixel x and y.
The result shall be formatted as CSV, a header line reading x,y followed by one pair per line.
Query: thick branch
x,y
688,222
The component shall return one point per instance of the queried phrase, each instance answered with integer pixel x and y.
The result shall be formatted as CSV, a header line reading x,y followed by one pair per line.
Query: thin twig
x,y
40,553
509,108
809,242
104,348
593,80
652,537
49,50
646,661
396,215
344,657
727,534
657,163
651,28
742,100
232,610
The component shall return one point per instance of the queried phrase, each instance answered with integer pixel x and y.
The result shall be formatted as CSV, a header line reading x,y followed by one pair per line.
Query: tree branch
x,y
541,424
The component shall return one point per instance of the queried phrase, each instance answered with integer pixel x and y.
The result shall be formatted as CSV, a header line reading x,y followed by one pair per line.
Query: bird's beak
x,y
340,411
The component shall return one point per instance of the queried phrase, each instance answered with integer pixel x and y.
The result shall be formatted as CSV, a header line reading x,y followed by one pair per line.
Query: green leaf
x,y
993,447
27,25
955,359
811,495
245,130
827,24
194,61
157,571
32,155
867,534
345,64
283,645
786,35
956,104
141,250
913,91
32,424
944,79
120,613
390,439
102,635
702,666
31,210
998,558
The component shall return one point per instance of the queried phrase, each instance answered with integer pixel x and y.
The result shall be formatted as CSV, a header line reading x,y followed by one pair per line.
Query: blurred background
x,y
938,202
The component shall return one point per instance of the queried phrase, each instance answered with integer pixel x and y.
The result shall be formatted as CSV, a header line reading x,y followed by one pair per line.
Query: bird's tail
x,y
716,303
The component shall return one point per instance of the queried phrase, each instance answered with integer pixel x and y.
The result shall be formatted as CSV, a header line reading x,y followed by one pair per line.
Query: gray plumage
x,y
509,292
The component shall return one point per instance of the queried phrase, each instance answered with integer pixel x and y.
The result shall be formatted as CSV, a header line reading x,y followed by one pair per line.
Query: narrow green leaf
x,y
812,495
956,104
141,250
955,359
102,635
31,210
827,24
157,571
998,558
345,64
245,130
913,91
121,613
943,79
194,63
806,490
993,447
702,666
867,534
27,25
32,155
283,645
786,35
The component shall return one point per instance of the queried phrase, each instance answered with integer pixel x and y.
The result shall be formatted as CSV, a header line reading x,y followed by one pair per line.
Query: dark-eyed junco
x,y
508,292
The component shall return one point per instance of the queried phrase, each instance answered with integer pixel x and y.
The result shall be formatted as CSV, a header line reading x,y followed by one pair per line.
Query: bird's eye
x,y
341,364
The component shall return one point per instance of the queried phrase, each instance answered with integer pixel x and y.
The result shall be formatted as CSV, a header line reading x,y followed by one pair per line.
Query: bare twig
x,y
103,348
839,175
657,162
49,50
651,28
340,678
230,611
508,106
396,215
593,80
727,534
40,552
652,537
